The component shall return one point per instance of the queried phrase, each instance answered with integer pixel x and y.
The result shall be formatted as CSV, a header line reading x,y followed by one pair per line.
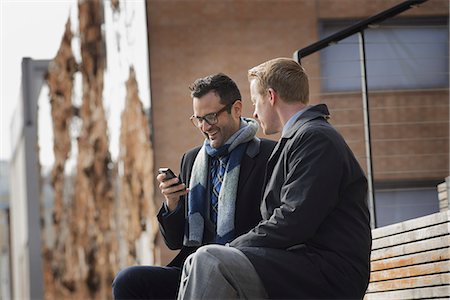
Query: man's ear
x,y
273,96
237,108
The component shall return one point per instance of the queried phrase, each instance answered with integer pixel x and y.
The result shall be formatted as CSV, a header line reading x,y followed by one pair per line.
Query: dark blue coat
x,y
314,240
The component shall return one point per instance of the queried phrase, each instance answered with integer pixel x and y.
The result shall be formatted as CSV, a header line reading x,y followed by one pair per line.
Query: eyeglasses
x,y
210,118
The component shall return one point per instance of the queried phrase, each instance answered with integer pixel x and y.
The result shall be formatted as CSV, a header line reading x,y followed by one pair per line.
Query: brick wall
x,y
409,132
191,39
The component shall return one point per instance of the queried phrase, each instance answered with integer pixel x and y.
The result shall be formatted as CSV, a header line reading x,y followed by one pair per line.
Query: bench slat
x,y
411,236
408,283
409,225
411,259
430,292
411,271
420,246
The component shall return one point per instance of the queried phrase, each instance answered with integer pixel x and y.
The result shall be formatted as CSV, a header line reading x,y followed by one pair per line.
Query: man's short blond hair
x,y
285,76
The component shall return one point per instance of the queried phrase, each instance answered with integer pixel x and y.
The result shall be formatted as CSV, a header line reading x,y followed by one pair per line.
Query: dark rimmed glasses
x,y
210,118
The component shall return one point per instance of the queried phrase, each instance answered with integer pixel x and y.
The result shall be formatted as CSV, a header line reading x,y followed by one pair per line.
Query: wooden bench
x,y
411,260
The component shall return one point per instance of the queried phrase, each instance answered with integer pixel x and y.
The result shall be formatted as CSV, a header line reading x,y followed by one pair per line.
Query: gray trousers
x,y
220,272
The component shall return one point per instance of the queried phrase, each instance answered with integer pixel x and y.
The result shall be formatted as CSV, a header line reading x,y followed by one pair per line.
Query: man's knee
x,y
132,278
214,255
216,250
122,282
210,251
122,277
143,282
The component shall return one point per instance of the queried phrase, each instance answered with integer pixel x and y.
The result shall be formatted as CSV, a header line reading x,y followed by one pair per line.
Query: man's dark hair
x,y
221,84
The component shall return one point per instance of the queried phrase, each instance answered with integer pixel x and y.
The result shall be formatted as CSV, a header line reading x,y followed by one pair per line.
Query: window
x,y
398,205
400,54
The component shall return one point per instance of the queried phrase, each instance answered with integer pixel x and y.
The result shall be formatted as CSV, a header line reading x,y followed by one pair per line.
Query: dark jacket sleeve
x,y
172,223
310,175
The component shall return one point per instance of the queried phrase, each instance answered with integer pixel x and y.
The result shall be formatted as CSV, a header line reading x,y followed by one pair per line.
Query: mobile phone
x,y
169,173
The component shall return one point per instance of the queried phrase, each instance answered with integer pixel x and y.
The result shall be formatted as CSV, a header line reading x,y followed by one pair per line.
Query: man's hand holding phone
x,y
171,187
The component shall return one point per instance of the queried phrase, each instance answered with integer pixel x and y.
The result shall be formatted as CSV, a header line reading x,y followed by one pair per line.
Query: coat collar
x,y
313,112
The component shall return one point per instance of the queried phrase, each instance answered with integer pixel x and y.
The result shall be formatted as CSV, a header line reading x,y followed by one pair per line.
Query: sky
x,y
28,29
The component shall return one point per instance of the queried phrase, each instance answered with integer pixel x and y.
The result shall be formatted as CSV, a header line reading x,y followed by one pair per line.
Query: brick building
x,y
408,95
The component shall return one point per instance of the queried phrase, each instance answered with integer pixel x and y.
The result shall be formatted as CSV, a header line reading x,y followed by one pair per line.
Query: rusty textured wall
x,y
102,208
60,81
136,175
93,202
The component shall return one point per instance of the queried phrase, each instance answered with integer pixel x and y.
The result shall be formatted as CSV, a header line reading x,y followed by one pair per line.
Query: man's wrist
x,y
171,205
168,211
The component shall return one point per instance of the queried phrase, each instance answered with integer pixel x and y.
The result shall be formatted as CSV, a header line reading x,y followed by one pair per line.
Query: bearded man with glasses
x,y
218,194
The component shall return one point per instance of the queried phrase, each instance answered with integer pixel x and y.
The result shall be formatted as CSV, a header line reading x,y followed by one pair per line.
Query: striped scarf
x,y
198,199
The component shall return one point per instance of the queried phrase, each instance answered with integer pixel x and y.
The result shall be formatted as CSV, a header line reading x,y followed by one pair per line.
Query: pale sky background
x,y
28,29
34,28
